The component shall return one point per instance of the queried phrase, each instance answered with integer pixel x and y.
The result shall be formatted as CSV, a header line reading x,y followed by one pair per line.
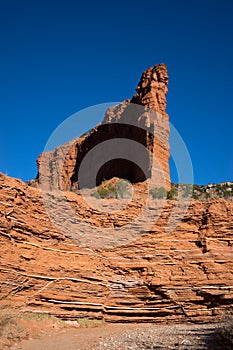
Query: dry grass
x,y
90,323
38,317
10,330
15,326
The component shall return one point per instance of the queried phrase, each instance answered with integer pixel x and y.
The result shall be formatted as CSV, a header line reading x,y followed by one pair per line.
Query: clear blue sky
x,y
58,57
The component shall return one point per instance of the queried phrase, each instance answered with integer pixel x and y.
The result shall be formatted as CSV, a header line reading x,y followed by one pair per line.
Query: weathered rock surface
x,y
141,121
152,89
183,275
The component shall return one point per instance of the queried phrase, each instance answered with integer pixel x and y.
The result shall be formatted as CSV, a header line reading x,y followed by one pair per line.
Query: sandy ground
x,y
122,337
51,337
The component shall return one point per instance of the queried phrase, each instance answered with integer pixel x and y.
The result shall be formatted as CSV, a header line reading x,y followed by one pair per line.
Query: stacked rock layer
x,y
180,276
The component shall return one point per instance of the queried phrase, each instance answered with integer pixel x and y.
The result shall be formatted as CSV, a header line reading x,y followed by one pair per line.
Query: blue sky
x,y
58,57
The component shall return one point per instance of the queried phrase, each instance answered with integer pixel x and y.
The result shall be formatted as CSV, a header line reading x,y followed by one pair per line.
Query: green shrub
x,y
118,190
105,192
158,193
172,194
198,191
195,195
122,189
187,190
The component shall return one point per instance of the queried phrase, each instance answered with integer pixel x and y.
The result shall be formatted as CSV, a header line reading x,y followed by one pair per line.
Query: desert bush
x,y
122,189
8,317
197,191
38,317
85,322
106,192
9,327
161,193
172,194
222,190
186,190
158,193
118,190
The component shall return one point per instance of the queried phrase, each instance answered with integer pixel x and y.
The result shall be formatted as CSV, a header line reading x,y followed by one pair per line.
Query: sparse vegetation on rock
x,y
86,322
10,329
172,194
158,193
200,192
118,189
211,191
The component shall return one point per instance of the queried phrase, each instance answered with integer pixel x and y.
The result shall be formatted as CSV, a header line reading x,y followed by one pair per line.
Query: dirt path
x,y
124,337
72,338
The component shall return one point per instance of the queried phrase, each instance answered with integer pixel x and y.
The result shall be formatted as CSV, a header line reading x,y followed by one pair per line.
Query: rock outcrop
x,y
141,121
152,89
181,276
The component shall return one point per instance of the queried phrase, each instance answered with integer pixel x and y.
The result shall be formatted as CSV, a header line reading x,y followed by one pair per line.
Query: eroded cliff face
x,y
182,275
142,120
152,89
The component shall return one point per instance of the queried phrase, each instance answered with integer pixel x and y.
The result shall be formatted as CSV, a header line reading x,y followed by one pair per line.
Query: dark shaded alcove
x,y
122,168
118,167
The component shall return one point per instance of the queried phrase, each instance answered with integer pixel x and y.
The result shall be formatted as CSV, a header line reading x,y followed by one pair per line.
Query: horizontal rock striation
x,y
180,276
152,89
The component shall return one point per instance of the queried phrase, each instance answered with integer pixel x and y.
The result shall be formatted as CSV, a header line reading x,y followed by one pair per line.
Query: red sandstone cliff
x,y
143,120
182,275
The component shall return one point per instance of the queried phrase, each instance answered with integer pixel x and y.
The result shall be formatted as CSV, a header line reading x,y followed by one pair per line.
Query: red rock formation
x,y
144,121
181,276
152,89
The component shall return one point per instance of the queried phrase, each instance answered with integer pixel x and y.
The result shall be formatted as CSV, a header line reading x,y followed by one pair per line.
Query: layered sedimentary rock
x,y
152,89
181,275
143,120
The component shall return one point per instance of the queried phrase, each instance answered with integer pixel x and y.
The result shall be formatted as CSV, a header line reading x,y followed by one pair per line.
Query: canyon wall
x,y
185,275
